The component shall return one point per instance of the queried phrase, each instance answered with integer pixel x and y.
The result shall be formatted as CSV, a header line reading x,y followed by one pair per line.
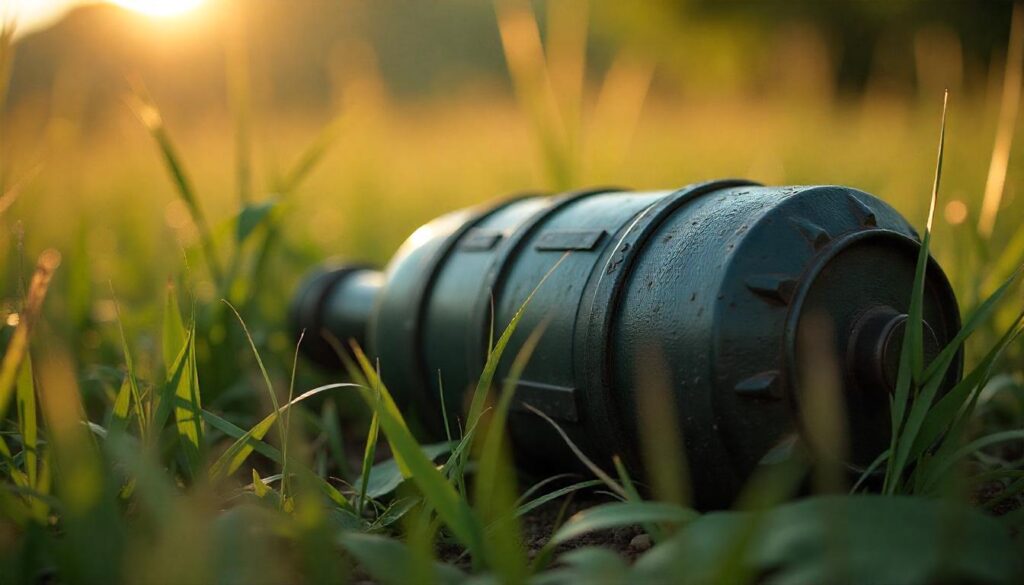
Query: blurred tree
x,y
856,28
299,48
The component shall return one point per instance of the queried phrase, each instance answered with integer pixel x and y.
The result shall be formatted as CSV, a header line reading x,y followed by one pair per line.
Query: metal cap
x,y
332,305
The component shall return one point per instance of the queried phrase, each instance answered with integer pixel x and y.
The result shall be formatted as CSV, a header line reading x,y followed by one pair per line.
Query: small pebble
x,y
640,542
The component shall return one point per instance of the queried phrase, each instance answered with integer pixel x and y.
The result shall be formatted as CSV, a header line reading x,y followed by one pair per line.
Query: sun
x,y
159,7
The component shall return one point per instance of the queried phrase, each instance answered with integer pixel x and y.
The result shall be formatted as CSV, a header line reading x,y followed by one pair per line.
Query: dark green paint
x,y
709,284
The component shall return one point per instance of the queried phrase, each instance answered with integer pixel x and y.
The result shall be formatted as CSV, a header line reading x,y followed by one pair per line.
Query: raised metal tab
x,y
480,240
558,402
814,233
776,287
563,240
864,214
764,385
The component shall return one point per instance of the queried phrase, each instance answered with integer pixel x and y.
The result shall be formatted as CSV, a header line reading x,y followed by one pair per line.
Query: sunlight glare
x,y
159,7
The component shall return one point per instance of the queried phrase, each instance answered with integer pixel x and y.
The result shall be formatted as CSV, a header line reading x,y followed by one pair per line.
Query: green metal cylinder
x,y
705,291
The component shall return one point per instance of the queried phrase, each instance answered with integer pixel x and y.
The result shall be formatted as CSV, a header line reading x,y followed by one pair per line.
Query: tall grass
x,y
200,454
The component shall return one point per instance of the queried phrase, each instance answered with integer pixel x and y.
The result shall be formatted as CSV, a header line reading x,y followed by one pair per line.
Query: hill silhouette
x,y
296,49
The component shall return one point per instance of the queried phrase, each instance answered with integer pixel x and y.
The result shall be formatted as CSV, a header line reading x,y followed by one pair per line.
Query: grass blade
x,y
946,463
979,316
188,407
531,505
912,353
1008,108
597,471
495,481
149,115
942,416
386,402
263,369
234,456
491,452
310,157
528,68
28,422
619,514
287,422
122,406
17,347
486,379
130,377
174,334
239,98
436,490
369,455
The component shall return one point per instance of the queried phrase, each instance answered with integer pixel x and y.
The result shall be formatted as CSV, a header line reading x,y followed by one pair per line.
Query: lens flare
x,y
159,8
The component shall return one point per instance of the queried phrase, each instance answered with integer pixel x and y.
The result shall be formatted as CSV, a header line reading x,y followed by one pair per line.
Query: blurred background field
x,y
779,92
419,108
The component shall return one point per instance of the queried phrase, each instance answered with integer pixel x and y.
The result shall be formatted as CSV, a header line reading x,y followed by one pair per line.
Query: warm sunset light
x,y
159,7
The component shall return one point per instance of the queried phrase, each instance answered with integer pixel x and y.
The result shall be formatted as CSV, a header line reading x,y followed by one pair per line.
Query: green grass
x,y
170,433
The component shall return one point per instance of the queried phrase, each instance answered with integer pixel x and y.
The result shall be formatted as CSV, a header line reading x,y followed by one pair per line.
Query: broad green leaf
x,y
395,512
392,562
252,216
844,539
385,477
590,564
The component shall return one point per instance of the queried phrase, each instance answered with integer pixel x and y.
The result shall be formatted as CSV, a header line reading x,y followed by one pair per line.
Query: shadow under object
x,y
719,278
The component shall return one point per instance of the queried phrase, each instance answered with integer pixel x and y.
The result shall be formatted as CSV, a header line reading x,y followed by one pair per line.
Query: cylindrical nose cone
x,y
332,307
